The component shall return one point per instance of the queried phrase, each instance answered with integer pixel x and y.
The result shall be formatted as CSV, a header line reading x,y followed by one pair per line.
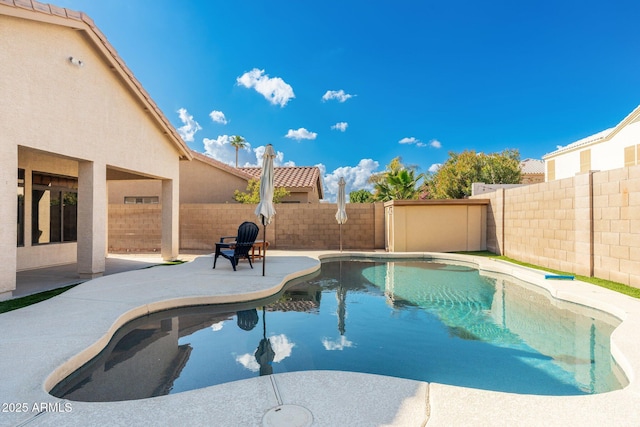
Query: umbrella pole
x,y
264,323
264,243
340,237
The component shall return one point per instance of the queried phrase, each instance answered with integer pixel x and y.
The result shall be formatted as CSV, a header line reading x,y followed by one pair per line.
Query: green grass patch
x,y
17,303
608,284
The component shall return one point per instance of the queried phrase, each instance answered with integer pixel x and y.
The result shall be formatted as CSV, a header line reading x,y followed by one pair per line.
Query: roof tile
x,y
74,15
291,176
58,11
532,166
25,4
41,7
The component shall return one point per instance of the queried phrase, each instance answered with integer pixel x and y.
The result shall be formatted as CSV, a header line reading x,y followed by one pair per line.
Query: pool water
x,y
420,320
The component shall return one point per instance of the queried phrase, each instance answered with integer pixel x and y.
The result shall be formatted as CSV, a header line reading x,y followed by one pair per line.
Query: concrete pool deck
x,y
42,343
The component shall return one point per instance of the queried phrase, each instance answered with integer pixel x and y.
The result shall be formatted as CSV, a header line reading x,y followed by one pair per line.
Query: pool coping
x,y
42,343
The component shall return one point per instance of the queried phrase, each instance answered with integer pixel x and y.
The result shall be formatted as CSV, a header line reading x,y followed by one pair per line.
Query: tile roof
x,y
292,176
300,177
42,12
532,166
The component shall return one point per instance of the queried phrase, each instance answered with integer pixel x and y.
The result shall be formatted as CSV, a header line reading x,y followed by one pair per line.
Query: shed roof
x,y
51,14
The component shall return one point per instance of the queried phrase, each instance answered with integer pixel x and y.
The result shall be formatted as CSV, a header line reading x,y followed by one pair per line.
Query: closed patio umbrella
x,y
265,209
341,215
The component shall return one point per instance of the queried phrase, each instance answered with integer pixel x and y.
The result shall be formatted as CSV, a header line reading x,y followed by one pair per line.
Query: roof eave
x,y
36,11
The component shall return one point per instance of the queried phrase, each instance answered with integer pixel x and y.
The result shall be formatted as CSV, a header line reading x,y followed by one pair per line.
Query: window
x,y
145,200
630,156
585,161
551,170
20,207
54,215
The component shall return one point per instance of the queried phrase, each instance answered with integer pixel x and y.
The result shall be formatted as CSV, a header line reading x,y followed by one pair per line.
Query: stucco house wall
x,y
90,120
206,180
199,183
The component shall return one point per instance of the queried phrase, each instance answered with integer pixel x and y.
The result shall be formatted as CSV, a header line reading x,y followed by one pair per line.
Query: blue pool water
x,y
420,320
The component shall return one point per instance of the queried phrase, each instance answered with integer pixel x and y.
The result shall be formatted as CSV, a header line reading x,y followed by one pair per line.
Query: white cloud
x,y
218,117
340,344
190,126
248,361
356,178
434,167
301,133
280,345
340,95
217,326
221,150
277,161
275,90
341,126
435,143
410,140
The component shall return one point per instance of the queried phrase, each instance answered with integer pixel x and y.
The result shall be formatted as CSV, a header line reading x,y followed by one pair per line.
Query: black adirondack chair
x,y
240,247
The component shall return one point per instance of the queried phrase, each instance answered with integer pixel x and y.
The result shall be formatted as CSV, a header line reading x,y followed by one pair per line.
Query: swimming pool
x,y
422,320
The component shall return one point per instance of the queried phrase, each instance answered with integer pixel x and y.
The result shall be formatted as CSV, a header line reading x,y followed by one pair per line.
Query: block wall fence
x,y
136,228
588,224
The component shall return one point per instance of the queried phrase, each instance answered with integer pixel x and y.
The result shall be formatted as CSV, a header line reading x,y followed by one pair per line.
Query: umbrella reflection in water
x,y
264,353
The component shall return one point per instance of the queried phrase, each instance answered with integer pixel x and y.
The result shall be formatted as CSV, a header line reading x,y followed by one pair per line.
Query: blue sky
x,y
349,85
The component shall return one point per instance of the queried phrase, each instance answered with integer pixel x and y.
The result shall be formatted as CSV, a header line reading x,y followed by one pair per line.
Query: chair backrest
x,y
247,233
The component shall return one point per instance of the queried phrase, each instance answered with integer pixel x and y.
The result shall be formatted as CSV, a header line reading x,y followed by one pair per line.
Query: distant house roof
x,y
532,166
41,12
298,177
303,177
601,136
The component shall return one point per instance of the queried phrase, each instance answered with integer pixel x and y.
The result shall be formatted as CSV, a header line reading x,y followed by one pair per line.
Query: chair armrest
x,y
227,237
225,245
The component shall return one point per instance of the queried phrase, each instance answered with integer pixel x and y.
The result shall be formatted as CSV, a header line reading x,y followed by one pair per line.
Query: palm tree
x,y
238,142
396,182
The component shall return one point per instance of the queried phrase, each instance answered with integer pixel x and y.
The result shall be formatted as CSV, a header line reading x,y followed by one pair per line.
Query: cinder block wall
x,y
539,224
295,226
616,226
588,224
134,228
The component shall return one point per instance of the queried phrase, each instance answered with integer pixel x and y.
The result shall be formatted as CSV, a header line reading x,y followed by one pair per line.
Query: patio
x,y
42,343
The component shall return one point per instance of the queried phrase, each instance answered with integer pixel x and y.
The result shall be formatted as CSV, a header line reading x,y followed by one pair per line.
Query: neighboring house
x,y
532,171
207,180
612,148
304,183
73,119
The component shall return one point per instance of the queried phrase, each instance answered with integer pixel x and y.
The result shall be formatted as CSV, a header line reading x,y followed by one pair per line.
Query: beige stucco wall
x,y
199,183
86,117
440,226
202,183
80,112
